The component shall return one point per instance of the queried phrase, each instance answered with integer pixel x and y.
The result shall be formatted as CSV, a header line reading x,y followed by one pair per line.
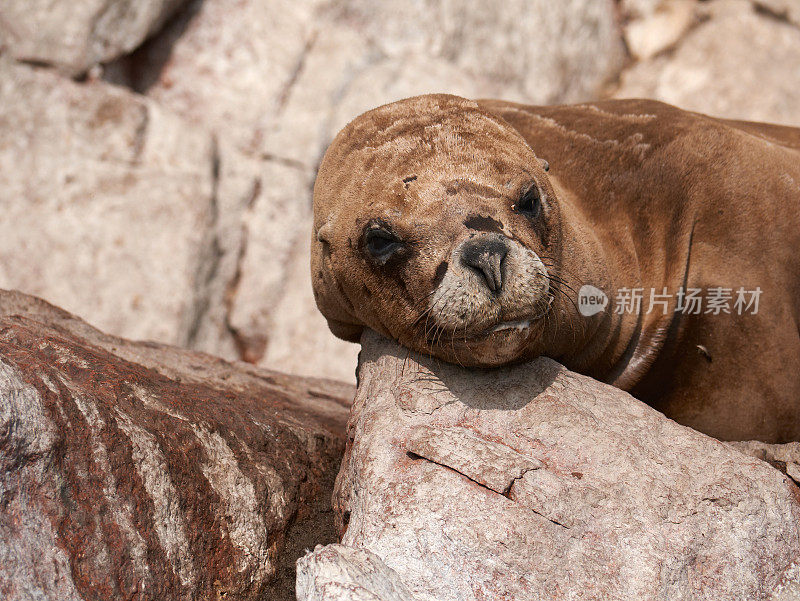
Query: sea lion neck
x,y
614,345
587,261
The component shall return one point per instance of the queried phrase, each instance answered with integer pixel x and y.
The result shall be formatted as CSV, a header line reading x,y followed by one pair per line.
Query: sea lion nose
x,y
485,254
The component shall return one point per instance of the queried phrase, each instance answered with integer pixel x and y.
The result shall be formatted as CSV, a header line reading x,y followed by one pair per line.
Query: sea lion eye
x,y
381,243
530,204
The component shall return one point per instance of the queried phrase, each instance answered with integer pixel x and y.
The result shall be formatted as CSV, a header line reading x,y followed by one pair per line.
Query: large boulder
x,y
784,10
117,209
650,30
107,200
541,51
136,470
533,482
74,36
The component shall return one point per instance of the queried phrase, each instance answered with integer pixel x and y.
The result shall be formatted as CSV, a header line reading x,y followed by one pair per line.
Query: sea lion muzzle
x,y
486,255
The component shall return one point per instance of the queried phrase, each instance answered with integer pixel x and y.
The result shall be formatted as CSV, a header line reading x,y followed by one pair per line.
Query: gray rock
x,y
268,100
74,36
299,339
785,457
339,573
231,67
738,64
540,51
547,51
107,203
638,9
137,470
532,482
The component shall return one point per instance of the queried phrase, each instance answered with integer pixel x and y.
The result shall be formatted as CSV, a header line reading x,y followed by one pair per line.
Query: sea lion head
x,y
435,224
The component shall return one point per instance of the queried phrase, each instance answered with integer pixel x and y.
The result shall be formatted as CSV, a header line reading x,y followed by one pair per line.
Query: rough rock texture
x,y
784,457
533,482
788,10
74,36
106,201
501,42
208,74
340,573
739,64
142,471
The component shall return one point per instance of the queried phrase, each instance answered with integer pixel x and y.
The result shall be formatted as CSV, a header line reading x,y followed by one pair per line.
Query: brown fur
x,y
639,194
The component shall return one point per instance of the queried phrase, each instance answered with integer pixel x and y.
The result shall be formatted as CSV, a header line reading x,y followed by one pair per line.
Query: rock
x,y
638,9
541,51
299,342
712,71
533,482
142,219
137,470
784,457
107,202
660,30
201,69
271,225
209,325
789,588
386,81
268,101
339,573
786,10
229,67
74,36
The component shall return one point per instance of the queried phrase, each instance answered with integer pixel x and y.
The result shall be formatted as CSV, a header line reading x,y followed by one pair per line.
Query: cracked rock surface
x,y
533,482
141,471
106,200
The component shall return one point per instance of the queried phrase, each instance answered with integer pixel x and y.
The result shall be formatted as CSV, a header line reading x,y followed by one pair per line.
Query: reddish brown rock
x,y
533,482
142,471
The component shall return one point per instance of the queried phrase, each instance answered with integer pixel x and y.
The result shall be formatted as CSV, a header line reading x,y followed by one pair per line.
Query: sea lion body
x,y
639,196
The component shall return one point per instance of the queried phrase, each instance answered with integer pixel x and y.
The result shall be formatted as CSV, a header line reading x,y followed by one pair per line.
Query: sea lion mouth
x,y
503,328
510,327
519,325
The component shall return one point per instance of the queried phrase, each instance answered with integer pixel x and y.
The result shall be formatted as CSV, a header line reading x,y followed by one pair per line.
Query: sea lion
x,y
437,224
